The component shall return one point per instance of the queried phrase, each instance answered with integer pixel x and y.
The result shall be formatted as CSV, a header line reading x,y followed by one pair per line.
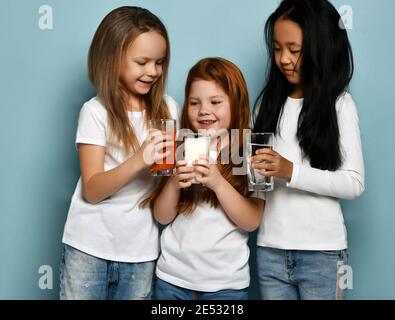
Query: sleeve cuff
x,y
80,139
295,176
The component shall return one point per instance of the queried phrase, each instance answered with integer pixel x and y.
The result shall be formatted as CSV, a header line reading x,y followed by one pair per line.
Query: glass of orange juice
x,y
166,166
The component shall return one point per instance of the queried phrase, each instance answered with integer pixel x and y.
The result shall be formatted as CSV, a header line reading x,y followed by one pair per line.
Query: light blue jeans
x,y
168,291
85,277
299,274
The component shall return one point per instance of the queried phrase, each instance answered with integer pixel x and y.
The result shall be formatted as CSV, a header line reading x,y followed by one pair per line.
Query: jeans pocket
x,y
337,253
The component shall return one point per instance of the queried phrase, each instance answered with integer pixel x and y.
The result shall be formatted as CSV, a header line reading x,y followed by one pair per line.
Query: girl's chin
x,y
136,91
142,91
212,131
207,127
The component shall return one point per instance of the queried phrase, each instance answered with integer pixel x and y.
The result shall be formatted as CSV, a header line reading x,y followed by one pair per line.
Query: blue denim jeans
x,y
167,291
300,275
85,277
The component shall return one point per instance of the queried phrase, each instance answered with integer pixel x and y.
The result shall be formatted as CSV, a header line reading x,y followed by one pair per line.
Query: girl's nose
x,y
152,70
204,109
284,59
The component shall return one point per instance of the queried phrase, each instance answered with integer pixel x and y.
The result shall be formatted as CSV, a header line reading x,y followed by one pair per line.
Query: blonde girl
x,y
110,243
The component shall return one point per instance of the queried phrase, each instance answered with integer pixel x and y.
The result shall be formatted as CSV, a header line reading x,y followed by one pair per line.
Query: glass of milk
x,y
195,145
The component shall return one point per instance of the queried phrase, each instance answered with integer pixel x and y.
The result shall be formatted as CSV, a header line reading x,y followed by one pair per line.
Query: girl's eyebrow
x,y
291,43
148,58
211,97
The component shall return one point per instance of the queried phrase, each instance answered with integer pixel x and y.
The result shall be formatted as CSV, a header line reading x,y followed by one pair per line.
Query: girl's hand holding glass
x,y
156,147
269,163
184,175
207,173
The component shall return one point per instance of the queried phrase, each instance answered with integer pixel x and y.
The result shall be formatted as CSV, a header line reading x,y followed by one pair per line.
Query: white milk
x,y
195,147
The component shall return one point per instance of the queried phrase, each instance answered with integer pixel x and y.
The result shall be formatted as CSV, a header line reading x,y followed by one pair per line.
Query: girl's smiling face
x,y
288,40
208,106
142,64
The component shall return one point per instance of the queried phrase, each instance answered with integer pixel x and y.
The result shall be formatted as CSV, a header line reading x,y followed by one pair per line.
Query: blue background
x,y
43,84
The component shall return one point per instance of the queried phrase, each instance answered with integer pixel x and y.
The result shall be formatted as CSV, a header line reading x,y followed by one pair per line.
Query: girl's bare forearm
x,y
165,205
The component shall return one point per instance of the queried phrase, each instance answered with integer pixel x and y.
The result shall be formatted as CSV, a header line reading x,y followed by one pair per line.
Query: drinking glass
x,y
195,145
166,166
256,181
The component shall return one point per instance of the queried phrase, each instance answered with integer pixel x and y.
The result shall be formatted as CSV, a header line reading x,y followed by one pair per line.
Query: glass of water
x,y
256,181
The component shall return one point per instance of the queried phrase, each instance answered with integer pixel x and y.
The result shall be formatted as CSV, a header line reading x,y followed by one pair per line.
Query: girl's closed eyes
x,y
213,102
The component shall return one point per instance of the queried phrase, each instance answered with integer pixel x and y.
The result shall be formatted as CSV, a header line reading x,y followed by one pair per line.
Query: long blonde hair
x,y
109,45
228,76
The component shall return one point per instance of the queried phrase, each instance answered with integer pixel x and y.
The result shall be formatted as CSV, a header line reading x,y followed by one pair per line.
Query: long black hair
x,y
326,71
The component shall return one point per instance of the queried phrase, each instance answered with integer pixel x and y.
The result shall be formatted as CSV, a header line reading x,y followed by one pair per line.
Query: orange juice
x,y
166,166
168,127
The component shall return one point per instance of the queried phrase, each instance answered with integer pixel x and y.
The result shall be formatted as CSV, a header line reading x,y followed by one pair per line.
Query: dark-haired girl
x,y
317,157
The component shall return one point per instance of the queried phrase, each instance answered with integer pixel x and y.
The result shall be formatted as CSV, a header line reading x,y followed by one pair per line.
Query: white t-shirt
x,y
305,214
204,251
116,228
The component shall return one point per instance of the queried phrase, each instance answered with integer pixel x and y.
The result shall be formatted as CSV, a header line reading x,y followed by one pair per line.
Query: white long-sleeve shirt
x,y
305,214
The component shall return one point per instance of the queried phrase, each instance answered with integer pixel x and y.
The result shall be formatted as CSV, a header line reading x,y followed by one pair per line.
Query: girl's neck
x,y
297,93
135,103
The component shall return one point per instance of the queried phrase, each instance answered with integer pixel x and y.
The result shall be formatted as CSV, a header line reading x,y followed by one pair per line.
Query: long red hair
x,y
228,76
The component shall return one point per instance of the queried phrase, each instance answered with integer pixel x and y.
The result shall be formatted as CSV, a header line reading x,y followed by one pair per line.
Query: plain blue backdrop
x,y
43,84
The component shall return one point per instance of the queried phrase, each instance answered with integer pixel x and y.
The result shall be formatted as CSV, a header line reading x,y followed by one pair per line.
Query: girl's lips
x,y
205,124
146,83
289,72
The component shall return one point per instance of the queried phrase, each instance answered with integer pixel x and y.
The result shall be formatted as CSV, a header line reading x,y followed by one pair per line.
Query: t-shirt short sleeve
x,y
92,124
